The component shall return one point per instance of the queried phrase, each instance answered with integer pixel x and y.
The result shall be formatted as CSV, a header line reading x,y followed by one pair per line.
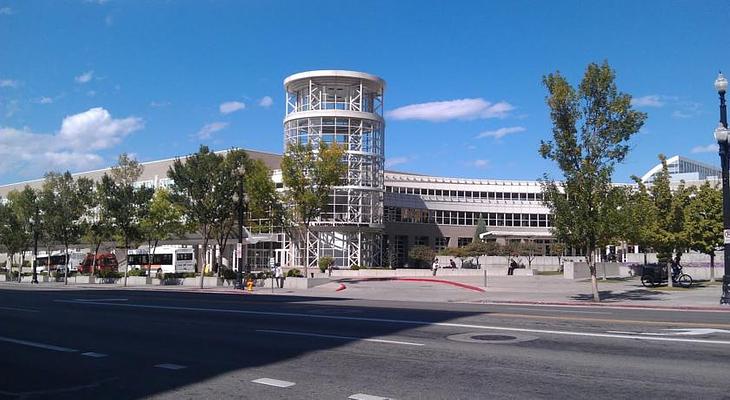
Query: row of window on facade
x,y
466,194
334,98
445,217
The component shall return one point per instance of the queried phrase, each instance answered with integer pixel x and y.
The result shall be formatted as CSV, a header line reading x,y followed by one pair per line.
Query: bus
x,y
165,260
104,262
58,261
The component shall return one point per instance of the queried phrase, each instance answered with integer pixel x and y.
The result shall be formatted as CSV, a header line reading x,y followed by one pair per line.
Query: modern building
x,y
683,169
376,216
343,108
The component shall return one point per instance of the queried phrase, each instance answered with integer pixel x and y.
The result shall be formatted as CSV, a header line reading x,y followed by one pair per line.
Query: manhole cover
x,y
493,337
481,337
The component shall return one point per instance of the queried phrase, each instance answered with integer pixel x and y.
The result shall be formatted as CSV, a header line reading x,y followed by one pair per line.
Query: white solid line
x,y
173,367
401,321
101,300
363,396
338,337
557,311
18,309
38,345
93,355
274,382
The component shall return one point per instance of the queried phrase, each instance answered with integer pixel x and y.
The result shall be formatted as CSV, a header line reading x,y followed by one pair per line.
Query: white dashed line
x,y
363,396
173,367
18,309
93,355
273,382
101,299
339,337
38,345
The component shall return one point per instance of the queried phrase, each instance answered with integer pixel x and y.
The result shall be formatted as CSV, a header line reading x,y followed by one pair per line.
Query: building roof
x,y
679,166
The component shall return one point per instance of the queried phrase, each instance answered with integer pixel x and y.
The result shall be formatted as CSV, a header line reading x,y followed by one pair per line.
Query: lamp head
x,y
720,83
721,134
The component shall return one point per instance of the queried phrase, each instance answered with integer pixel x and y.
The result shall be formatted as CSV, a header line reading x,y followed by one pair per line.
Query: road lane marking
x,y
609,320
405,322
273,382
37,345
363,396
556,311
173,367
18,309
339,337
677,332
93,355
104,300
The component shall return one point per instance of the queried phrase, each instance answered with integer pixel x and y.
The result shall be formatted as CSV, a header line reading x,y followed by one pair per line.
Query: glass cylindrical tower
x,y
346,108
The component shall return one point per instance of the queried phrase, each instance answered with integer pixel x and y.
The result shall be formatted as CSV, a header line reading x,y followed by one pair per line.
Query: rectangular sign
x,y
727,236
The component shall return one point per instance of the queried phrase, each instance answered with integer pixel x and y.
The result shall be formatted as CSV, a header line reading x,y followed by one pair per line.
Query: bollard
x,y
485,277
249,285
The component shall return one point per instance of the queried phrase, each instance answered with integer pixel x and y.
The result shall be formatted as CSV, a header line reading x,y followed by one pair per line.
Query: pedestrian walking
x,y
435,266
279,275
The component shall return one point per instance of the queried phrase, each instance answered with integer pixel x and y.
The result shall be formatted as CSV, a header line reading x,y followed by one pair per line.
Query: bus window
x,y
162,259
184,256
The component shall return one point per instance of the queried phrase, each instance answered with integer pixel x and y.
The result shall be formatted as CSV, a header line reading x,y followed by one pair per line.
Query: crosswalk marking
x,y
274,382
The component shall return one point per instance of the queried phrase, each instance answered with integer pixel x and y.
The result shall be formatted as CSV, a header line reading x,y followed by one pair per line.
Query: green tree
x,y
669,236
703,223
478,248
64,202
98,226
309,175
640,217
194,190
421,254
263,203
11,235
164,221
126,205
530,250
24,206
481,228
592,125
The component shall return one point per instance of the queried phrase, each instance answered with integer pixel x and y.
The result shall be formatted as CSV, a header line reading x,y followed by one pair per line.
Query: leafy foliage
x,y
592,125
421,254
703,222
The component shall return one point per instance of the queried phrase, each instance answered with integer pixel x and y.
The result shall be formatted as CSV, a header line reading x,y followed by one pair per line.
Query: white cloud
x,y
652,100
480,163
501,132
45,100
85,77
464,109
209,129
10,83
266,101
6,11
91,93
96,129
392,162
231,106
72,147
687,109
159,104
710,148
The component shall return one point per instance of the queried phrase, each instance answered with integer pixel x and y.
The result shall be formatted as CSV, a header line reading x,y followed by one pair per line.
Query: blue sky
x,y
82,81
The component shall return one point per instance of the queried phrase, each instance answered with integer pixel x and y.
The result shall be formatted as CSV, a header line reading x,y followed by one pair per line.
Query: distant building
x,y
684,169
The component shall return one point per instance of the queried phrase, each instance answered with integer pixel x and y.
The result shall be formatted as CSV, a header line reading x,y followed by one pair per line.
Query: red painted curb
x,y
342,287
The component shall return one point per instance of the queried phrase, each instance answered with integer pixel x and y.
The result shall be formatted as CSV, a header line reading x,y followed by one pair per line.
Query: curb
x,y
607,305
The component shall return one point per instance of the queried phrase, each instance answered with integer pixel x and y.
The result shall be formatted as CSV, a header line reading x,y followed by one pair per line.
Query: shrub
x,y
355,267
294,273
138,272
228,274
108,274
325,263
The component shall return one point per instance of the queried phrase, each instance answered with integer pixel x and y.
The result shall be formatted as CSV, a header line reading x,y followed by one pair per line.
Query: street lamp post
x,y
35,246
722,135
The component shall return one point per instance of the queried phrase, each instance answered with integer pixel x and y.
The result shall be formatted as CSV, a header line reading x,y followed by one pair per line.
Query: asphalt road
x,y
75,344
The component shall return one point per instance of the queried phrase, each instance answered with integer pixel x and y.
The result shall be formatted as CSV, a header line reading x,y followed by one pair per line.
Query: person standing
x,y
279,275
435,266
453,263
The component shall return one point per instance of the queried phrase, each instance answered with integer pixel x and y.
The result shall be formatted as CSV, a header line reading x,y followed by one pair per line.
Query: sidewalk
x,y
507,289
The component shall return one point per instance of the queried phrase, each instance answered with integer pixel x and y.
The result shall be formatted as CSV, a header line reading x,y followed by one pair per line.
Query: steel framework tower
x,y
346,108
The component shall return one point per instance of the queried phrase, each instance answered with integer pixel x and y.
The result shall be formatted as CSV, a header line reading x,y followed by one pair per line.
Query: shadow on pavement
x,y
210,335
616,296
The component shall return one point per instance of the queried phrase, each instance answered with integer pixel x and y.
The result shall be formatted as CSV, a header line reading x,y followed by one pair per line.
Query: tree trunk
x,y
126,258
20,269
65,270
712,267
96,254
202,256
594,281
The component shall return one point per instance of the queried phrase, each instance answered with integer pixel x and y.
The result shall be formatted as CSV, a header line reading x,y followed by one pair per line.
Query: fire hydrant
x,y
249,285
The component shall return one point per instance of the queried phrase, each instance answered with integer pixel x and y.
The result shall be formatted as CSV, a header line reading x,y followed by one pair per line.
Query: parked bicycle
x,y
655,275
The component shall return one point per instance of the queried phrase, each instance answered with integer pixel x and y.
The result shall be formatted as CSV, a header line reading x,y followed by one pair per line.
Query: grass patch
x,y
549,273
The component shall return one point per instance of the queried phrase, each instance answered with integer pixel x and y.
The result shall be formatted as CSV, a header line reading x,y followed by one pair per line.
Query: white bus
x,y
165,260
58,261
